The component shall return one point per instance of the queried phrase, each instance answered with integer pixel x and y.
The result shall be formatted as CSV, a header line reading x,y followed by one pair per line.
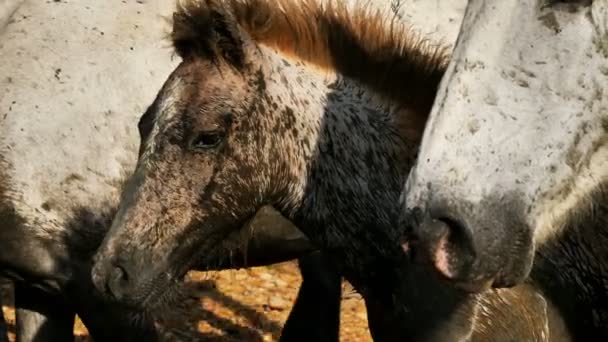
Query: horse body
x,y
63,159
436,20
6,11
517,139
48,195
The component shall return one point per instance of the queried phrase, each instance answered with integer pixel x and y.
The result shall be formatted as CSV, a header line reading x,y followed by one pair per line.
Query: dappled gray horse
x,y
512,174
73,80
315,110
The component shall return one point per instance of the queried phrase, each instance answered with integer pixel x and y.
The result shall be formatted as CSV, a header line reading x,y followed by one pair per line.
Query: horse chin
x,y
167,290
160,296
139,318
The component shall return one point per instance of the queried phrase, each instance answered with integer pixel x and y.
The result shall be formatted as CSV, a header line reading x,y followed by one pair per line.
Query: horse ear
x,y
208,29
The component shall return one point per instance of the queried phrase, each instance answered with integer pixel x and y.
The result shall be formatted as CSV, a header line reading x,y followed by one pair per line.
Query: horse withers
x,y
513,169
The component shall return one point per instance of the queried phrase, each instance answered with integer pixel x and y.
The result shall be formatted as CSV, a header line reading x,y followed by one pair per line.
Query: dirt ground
x,y
237,305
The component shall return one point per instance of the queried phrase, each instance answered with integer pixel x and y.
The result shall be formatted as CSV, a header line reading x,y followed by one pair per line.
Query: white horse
x,y
512,173
73,78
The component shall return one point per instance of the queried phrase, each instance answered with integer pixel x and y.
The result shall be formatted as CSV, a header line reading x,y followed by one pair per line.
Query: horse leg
x,y
42,316
45,317
3,325
316,313
270,238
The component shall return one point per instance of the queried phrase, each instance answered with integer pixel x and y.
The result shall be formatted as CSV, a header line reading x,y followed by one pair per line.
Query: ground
x,y
237,305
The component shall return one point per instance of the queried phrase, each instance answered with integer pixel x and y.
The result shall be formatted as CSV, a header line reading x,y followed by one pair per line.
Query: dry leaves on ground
x,y
237,305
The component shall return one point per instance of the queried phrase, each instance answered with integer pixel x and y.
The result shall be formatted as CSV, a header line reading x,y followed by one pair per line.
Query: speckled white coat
x,y
523,109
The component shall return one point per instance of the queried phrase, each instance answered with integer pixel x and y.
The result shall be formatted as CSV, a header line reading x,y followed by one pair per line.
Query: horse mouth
x,y
161,293
166,289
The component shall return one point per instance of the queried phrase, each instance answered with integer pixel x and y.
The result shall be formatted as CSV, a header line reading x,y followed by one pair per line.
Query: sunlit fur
x,y
321,107
522,115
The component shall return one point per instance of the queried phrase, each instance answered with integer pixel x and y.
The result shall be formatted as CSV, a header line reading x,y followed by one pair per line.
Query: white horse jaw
x,y
519,119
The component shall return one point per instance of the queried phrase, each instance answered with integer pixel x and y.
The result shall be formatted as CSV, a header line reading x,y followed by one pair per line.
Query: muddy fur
x,y
363,44
571,271
378,60
243,123
230,132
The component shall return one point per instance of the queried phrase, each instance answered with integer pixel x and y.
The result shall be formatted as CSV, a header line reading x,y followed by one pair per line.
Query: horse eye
x,y
206,140
549,3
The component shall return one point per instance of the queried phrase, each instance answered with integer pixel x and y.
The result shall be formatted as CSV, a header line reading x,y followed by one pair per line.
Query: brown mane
x,y
361,43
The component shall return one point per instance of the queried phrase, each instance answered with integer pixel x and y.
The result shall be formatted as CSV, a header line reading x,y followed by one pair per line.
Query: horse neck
x,y
344,159
571,270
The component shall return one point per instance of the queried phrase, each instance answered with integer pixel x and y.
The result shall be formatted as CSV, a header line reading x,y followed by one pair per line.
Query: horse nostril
x,y
453,252
117,282
472,246
448,245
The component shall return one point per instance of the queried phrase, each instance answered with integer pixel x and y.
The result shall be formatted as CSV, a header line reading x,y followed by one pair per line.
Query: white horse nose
x,y
472,248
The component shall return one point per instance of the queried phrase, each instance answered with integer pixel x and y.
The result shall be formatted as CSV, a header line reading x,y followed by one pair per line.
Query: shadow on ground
x,y
192,320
